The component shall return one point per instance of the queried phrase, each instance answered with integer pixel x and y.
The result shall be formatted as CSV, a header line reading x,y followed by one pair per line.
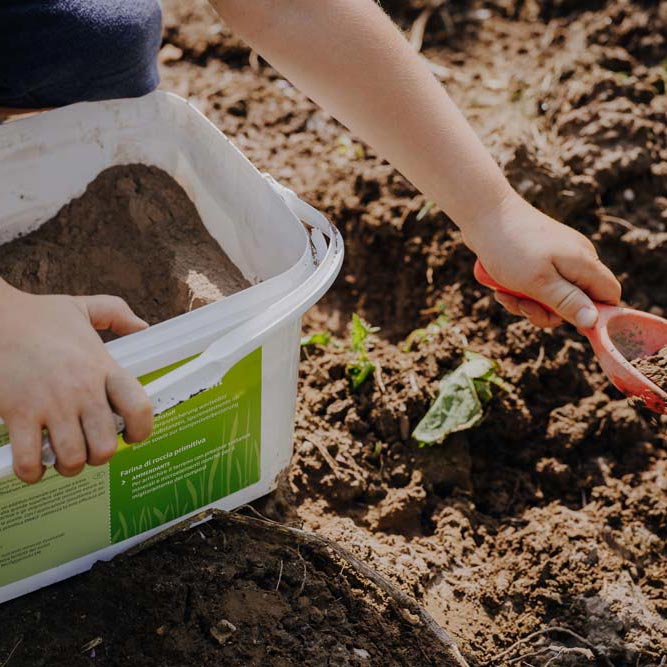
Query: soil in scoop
x,y
134,233
217,594
654,367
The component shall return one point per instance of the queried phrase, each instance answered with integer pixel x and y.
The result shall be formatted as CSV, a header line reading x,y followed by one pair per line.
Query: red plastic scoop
x,y
619,336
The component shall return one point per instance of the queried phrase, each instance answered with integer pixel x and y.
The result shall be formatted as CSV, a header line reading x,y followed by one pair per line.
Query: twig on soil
x,y
305,576
379,380
440,71
545,631
419,28
89,646
553,657
447,20
280,576
253,61
564,650
616,220
326,456
11,653
604,469
419,25
532,654
258,514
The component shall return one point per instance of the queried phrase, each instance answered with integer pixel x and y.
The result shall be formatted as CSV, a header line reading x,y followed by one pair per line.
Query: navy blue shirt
x,y
57,52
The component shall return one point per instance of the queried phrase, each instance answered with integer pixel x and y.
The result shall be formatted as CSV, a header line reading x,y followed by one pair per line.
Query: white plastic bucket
x,y
224,446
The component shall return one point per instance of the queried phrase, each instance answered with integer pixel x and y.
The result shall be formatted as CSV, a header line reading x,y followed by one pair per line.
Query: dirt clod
x,y
654,367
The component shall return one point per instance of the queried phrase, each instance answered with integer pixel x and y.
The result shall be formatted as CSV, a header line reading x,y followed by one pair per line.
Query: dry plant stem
x,y
419,28
526,656
9,657
280,576
447,20
617,221
335,468
546,631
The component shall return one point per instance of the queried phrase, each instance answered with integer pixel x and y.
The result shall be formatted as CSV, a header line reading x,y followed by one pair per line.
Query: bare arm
x,y
349,57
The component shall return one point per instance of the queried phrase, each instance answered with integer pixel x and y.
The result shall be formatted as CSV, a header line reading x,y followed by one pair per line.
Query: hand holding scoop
x,y
619,336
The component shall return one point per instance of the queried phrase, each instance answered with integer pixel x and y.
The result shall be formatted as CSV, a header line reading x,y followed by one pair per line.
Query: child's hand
x,y
56,373
531,253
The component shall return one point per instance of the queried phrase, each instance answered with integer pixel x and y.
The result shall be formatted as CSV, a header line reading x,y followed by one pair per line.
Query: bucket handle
x,y
208,369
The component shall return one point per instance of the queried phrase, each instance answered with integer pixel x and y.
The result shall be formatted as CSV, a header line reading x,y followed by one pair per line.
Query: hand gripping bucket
x,y
223,377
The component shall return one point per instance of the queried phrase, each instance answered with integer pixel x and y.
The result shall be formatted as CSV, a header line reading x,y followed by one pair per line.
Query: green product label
x,y
200,451
47,524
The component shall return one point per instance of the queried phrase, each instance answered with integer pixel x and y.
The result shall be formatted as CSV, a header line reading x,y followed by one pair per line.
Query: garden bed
x,y
541,532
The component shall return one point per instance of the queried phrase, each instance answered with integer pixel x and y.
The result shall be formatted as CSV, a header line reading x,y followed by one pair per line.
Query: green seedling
x,y
361,366
432,329
322,338
461,399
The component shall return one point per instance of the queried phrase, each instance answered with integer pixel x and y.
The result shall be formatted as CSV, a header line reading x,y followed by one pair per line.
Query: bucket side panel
x,y
204,451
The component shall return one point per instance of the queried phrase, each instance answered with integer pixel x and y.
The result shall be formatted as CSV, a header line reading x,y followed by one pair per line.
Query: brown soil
x,y
654,367
552,512
134,233
222,593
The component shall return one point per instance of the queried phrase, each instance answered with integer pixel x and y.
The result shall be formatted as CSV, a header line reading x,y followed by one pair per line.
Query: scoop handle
x,y
483,278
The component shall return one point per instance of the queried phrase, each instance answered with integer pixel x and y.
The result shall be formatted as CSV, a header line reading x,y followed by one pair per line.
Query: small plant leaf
x,y
318,338
358,372
361,367
360,333
418,336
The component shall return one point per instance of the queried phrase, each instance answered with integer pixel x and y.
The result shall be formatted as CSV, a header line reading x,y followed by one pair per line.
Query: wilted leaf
x,y
462,395
456,408
483,389
476,365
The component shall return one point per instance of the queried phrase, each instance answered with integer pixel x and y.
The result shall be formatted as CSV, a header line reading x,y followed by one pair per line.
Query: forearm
x,y
349,57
